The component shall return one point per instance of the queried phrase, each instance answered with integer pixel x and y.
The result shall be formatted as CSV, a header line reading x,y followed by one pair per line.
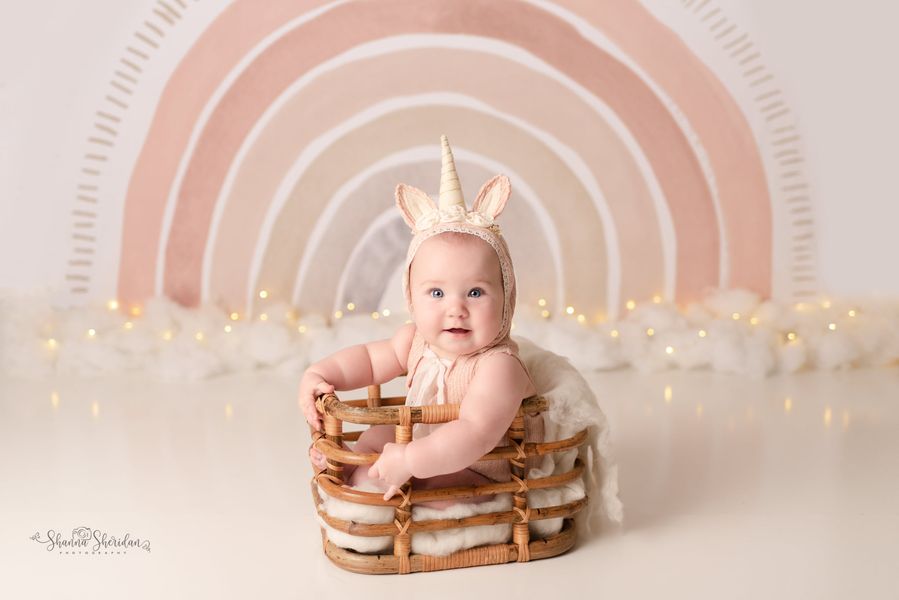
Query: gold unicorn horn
x,y
450,189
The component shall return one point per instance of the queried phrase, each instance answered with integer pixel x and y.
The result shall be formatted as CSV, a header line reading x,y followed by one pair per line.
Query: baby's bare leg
x,y
371,440
465,477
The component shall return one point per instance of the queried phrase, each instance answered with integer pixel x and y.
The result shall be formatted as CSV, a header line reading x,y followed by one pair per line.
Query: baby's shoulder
x,y
402,342
502,366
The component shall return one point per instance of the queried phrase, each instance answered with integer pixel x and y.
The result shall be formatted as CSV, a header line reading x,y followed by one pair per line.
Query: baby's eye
x,y
476,293
436,293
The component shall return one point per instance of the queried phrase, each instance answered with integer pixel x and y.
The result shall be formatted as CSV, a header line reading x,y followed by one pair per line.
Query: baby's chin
x,y
452,345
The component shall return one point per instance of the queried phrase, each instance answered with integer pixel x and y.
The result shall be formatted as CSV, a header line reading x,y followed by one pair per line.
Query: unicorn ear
x,y
413,203
493,196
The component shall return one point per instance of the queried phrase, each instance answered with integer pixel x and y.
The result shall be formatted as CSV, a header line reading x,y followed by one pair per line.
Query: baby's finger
x,y
315,422
390,492
313,419
324,388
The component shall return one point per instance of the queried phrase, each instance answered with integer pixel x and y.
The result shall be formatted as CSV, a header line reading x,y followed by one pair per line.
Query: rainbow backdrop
x,y
278,140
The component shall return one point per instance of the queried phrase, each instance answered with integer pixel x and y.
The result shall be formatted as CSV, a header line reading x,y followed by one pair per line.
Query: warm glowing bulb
x,y
351,306
656,299
736,316
825,304
375,315
54,399
234,316
669,349
614,333
386,312
791,336
167,336
92,332
544,313
754,321
113,305
668,394
832,326
95,409
52,343
198,336
408,321
136,311
228,329
581,319
828,416
338,314
263,294
541,302
128,325
788,404
229,411
852,312
650,332
570,310
263,317
631,305
702,333
301,329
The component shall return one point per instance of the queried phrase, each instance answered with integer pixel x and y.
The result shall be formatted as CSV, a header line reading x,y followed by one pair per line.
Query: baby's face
x,y
457,294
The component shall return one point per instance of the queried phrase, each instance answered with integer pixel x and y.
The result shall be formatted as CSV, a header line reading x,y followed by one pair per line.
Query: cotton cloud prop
x,y
730,332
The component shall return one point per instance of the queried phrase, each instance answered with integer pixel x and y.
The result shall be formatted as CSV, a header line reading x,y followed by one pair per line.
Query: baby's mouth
x,y
457,330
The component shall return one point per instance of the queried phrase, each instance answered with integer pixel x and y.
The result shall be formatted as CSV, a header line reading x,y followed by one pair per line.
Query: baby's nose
x,y
458,309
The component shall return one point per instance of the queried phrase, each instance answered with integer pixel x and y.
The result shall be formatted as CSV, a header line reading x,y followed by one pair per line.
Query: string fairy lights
x,y
652,326
135,310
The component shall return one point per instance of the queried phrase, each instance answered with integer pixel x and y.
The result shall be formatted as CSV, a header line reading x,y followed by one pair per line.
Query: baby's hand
x,y
311,386
391,468
318,459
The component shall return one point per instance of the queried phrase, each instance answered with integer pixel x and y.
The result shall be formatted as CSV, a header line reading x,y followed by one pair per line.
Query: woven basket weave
x,y
392,411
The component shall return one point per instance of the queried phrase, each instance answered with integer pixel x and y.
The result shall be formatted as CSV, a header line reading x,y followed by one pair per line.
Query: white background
x,y
833,61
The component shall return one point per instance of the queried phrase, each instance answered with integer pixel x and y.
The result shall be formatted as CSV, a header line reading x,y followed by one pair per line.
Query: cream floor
x,y
733,488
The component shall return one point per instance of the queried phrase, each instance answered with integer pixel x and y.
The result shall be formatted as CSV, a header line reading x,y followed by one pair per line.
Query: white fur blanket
x,y
572,406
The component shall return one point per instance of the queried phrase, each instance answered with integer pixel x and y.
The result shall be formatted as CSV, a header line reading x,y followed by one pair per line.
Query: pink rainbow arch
x,y
744,203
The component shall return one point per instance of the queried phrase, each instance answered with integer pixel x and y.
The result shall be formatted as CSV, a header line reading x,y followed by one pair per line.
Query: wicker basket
x,y
392,410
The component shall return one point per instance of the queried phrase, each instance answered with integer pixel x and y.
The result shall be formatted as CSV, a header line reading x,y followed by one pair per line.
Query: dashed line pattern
x,y
783,138
109,116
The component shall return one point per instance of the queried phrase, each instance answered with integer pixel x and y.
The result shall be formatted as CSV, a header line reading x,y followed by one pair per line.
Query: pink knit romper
x,y
458,377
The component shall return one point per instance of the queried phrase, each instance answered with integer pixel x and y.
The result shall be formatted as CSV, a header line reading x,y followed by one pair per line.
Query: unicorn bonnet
x,y
451,214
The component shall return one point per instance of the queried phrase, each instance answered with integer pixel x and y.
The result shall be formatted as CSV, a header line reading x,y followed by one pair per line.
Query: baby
x,y
460,289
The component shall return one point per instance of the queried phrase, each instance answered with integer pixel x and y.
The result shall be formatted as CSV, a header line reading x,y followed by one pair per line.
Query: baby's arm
x,y
493,398
355,367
